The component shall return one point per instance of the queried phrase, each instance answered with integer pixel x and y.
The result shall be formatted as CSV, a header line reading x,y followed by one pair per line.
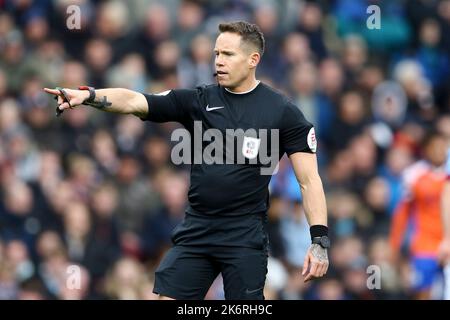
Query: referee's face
x,y
235,62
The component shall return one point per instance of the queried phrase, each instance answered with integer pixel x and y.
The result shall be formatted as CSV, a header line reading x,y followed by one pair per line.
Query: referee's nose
x,y
219,62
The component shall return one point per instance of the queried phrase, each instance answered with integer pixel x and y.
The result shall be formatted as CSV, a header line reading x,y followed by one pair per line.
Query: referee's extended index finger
x,y
52,91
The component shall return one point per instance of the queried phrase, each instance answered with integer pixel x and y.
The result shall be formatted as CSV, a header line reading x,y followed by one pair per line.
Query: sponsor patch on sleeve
x,y
312,141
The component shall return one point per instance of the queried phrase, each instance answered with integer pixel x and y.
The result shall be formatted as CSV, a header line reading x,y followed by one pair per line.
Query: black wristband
x,y
91,93
318,230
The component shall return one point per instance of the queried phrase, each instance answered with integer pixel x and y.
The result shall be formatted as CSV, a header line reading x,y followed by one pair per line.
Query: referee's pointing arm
x,y
116,100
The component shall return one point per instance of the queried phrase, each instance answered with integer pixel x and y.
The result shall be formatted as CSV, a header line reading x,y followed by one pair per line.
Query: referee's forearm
x,y
314,202
120,100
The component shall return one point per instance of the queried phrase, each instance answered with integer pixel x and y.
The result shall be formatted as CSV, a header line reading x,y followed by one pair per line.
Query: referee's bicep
x,y
170,105
297,134
160,107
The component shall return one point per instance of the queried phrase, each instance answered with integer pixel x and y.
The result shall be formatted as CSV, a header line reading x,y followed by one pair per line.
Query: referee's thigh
x,y
184,274
244,273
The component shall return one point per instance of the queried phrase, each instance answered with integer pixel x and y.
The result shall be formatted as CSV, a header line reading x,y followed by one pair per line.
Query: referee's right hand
x,y
316,262
75,97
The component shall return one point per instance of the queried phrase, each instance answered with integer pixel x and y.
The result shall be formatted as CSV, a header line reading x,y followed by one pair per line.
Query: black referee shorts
x,y
187,272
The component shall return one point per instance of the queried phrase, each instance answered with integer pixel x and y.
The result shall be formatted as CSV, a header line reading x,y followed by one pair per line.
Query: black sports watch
x,y
324,241
91,93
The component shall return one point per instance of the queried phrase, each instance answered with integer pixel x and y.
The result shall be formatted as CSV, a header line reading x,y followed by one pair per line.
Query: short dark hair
x,y
249,32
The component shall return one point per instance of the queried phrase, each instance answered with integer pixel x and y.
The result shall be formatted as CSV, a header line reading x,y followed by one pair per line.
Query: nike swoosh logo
x,y
213,108
253,291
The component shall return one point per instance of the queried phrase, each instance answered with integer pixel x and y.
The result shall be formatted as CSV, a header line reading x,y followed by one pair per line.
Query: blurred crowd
x,y
99,191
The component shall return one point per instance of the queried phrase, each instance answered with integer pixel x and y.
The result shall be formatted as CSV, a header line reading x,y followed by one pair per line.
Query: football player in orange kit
x,y
423,184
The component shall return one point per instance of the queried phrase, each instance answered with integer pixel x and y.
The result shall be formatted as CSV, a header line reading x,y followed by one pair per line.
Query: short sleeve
x,y
171,105
296,133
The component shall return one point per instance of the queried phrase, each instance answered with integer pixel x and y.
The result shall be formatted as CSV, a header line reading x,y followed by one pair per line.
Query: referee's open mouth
x,y
221,73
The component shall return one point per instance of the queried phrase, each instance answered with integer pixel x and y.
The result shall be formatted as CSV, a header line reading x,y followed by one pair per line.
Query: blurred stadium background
x,y
99,190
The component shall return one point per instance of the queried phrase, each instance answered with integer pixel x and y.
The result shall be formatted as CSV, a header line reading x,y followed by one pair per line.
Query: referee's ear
x,y
254,59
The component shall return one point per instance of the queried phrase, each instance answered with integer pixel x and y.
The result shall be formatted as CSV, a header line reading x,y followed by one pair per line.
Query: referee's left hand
x,y
74,97
316,262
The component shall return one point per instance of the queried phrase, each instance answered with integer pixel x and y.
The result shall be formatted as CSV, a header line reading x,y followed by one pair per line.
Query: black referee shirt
x,y
233,187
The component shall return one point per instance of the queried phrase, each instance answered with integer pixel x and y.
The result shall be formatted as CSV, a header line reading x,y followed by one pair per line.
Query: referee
x,y
224,227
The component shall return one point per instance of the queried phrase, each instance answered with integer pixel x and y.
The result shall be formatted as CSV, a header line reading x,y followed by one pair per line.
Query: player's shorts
x,y
187,272
425,272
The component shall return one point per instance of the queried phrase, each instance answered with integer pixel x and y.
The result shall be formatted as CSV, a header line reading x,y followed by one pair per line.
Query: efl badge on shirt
x,y
250,147
312,142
